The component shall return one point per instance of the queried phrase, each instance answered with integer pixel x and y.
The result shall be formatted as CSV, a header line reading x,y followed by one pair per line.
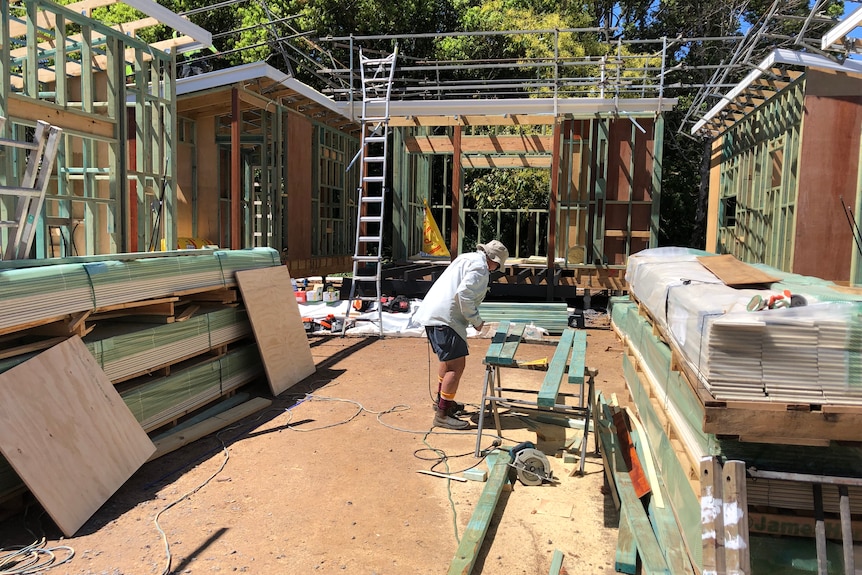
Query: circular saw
x,y
531,465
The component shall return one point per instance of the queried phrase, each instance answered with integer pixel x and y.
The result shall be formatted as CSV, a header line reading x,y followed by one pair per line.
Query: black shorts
x,y
446,342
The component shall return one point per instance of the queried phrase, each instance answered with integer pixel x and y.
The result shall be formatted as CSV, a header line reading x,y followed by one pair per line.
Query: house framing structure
x,y
786,170
251,156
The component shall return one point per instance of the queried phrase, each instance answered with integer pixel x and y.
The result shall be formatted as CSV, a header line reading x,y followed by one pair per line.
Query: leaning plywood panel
x,y
67,433
277,326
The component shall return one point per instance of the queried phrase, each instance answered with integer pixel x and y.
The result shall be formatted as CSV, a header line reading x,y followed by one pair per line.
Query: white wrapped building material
x,y
809,354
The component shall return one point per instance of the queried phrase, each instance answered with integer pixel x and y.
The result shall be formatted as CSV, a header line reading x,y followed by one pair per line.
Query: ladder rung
x,y
375,139
369,239
369,159
19,144
389,58
365,278
371,219
366,258
8,224
20,192
367,298
374,179
372,199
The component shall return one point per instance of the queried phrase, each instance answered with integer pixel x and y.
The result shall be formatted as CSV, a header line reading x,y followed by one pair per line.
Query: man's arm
x,y
470,294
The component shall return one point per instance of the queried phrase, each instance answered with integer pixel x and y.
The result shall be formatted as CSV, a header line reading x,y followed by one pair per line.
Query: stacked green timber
x,y
654,355
125,350
670,398
672,472
553,316
155,402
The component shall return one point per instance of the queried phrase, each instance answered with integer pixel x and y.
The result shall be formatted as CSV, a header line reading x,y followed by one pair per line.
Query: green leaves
x,y
509,189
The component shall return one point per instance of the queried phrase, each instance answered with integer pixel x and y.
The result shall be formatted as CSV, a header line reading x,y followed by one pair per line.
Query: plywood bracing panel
x,y
828,171
67,432
277,326
300,143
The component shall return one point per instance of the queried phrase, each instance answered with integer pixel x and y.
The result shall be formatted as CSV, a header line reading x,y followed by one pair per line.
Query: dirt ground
x,y
326,481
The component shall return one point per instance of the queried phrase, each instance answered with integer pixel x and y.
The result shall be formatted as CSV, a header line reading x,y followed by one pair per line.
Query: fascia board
x,y
816,61
307,91
173,20
248,72
228,76
837,33
778,56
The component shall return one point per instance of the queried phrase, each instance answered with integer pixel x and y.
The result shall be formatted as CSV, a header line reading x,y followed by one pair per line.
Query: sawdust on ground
x,y
328,483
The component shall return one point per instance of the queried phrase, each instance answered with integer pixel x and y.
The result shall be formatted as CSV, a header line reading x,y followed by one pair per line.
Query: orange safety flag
x,y
432,239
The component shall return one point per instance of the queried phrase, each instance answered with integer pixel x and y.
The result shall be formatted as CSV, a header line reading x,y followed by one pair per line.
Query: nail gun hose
x,y
851,220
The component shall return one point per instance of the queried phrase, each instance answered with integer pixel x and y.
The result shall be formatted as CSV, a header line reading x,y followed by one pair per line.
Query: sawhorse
x,y
501,353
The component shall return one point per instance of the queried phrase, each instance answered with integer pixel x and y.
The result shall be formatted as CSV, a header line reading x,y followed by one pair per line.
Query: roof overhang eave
x,y
778,56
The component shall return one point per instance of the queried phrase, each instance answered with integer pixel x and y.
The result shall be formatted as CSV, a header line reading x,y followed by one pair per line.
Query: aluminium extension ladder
x,y
376,76
31,192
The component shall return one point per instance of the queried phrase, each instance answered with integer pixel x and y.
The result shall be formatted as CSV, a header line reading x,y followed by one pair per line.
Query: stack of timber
x,y
552,316
169,330
719,389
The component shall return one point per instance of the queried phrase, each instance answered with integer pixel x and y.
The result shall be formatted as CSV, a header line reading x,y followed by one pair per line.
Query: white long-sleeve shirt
x,y
454,298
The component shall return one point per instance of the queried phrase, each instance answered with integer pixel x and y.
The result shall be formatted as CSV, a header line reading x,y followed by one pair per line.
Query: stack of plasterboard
x,y
34,294
156,401
125,350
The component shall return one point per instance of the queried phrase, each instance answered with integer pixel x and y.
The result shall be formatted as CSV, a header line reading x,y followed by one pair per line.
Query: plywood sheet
x,y
67,433
735,273
277,326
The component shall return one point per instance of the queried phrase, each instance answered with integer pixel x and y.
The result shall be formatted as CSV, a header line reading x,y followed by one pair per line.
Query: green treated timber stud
x,y
513,340
669,536
492,356
577,365
471,542
649,550
557,368
556,563
626,555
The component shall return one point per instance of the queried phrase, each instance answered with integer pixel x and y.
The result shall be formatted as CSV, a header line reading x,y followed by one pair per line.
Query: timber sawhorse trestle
x,y
567,364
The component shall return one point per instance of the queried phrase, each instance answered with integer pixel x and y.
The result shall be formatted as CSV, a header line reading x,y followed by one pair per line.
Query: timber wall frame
x,y
114,189
270,160
786,169
603,203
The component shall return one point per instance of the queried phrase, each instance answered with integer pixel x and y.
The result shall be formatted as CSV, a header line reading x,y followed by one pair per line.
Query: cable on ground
x,y
32,558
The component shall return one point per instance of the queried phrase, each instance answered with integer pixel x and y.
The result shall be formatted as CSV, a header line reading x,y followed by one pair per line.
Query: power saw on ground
x,y
531,465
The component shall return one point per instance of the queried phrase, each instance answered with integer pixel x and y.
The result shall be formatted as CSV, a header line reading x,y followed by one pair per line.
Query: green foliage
x,y
509,189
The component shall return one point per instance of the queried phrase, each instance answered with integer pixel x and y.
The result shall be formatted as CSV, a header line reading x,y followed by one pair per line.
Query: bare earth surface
x,y
328,482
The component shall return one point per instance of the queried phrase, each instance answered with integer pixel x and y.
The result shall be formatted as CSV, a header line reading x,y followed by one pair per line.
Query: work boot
x,y
455,408
441,419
